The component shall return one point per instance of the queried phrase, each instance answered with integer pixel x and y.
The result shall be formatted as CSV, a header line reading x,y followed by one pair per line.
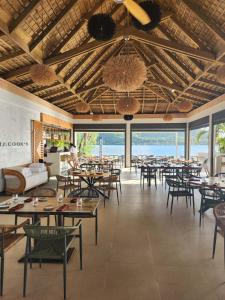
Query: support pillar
x,y
128,146
187,142
210,146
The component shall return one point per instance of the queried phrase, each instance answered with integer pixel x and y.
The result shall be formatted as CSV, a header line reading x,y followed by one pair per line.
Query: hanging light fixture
x,y
128,117
167,118
184,106
124,73
40,73
82,107
101,27
220,74
128,106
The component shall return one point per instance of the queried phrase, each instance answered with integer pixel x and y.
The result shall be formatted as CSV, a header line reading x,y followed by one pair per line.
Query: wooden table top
x,y
88,206
94,174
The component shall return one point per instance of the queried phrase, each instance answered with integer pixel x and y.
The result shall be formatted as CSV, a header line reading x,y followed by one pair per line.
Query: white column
x,y
210,146
128,146
187,142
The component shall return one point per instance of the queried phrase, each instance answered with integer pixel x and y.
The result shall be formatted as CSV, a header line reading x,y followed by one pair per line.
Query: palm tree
x,y
220,136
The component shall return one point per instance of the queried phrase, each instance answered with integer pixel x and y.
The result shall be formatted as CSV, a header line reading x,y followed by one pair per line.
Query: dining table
x,y
91,178
213,181
38,206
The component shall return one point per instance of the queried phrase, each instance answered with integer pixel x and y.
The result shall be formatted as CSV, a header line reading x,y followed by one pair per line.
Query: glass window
x,y
160,143
199,140
100,143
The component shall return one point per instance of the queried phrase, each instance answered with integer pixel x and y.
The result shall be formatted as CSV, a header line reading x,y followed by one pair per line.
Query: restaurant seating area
x,y
112,149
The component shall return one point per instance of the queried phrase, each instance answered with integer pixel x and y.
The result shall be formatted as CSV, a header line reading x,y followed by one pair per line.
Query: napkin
x,y
62,207
28,200
16,207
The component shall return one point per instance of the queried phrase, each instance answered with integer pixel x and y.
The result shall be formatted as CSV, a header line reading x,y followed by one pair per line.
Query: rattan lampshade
x,y
101,27
96,118
220,74
128,106
167,118
184,106
42,74
124,73
82,107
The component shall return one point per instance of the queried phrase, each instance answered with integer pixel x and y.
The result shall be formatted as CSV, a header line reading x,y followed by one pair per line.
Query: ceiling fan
x,y
135,10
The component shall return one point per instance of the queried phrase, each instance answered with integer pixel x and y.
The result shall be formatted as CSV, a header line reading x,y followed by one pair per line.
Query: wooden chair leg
x,y
171,208
64,273
81,247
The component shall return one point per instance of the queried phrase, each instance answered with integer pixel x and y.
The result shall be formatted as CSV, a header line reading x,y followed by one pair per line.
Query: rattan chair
x,y
219,213
8,238
66,184
148,173
117,173
51,242
108,185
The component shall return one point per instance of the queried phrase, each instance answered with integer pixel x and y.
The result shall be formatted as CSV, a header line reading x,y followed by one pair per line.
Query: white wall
x,y
16,114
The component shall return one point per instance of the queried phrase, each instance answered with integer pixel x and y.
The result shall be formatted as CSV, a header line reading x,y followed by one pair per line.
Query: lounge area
x,y
112,150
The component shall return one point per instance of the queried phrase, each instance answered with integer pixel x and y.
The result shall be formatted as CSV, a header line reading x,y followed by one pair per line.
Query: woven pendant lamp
x,y
220,74
42,74
167,118
82,107
124,73
128,106
184,106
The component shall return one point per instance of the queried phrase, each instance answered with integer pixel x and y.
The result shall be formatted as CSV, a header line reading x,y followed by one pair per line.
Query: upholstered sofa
x,y
23,178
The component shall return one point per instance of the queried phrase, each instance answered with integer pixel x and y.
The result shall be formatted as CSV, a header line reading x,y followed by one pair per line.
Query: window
x,y
160,143
199,140
100,143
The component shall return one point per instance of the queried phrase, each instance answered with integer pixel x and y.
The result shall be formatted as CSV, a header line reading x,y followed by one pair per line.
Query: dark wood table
x,y
88,209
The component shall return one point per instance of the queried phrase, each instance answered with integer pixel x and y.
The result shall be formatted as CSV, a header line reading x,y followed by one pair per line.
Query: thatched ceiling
x,y
181,54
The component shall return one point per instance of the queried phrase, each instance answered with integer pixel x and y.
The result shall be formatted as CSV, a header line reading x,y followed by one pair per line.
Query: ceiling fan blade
x,y
137,11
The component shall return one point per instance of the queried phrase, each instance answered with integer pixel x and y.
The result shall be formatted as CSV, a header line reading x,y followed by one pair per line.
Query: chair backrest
x,y
212,193
84,193
61,178
116,172
173,183
48,232
43,192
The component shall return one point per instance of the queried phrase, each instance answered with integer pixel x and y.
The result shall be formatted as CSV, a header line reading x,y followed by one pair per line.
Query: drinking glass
x,y
60,199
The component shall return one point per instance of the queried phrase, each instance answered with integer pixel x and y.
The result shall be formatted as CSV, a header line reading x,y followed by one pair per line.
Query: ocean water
x,y
150,150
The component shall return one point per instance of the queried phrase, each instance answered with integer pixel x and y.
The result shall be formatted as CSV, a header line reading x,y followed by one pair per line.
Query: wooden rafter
x,y
52,25
203,18
9,56
22,16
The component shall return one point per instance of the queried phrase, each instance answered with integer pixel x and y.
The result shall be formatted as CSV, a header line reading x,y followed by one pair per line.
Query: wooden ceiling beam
x,y
38,39
77,27
62,100
90,87
31,5
41,89
197,10
207,91
61,97
150,88
172,46
92,99
9,56
101,62
54,93
186,31
212,83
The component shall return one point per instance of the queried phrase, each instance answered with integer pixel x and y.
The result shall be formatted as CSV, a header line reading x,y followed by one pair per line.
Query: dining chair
x,y
210,197
8,238
219,213
52,242
178,189
108,185
65,183
148,173
117,173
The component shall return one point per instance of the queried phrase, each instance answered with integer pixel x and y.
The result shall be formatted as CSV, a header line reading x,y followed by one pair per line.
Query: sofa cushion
x,y
26,172
37,167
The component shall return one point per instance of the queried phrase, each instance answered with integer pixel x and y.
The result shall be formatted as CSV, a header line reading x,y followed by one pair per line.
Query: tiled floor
x,y
143,254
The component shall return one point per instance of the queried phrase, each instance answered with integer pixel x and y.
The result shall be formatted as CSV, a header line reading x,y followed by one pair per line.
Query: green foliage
x,y
86,142
220,136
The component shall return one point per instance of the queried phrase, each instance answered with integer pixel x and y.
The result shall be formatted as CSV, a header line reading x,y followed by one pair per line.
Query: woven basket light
x,y
220,74
167,118
128,106
184,106
42,74
124,73
82,107
96,118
